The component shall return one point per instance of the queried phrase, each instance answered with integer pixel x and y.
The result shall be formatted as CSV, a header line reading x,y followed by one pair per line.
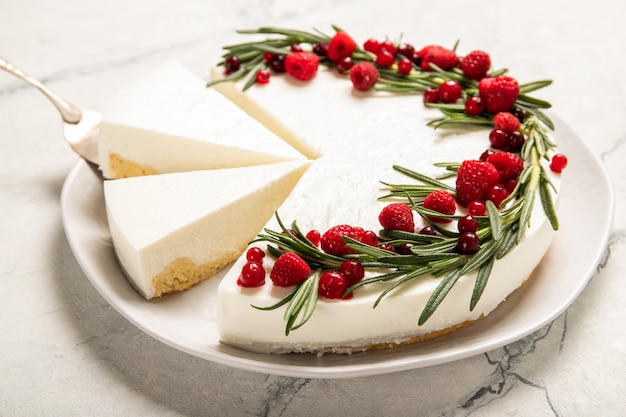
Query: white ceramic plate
x,y
187,321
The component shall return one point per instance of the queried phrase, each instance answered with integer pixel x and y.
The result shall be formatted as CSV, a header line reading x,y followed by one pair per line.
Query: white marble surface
x,y
65,351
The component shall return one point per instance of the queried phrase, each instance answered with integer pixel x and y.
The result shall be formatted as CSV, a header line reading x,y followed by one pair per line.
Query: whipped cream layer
x,y
360,136
169,122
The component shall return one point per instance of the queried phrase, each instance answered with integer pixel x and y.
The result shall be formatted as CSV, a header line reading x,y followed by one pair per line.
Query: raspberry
x,y
332,242
499,93
302,65
474,180
289,269
475,65
397,216
450,91
340,46
558,163
442,57
508,164
506,122
332,285
364,75
440,201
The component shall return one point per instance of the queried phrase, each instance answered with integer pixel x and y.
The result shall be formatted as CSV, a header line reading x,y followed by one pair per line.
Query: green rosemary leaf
x,y
423,178
533,102
410,237
507,243
495,220
379,278
433,248
401,281
533,86
438,295
481,282
310,301
548,204
281,303
484,254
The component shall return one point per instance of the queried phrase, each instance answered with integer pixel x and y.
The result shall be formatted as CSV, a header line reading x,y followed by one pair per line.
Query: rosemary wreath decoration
x,y
499,229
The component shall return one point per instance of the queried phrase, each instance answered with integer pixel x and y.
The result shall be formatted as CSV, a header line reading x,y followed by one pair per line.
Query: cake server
x,y
80,126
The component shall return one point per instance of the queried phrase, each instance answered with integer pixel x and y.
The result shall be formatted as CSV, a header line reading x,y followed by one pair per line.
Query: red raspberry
x,y
289,269
499,93
440,201
450,91
302,65
509,165
340,46
474,180
333,284
332,242
444,58
364,75
397,216
506,122
475,65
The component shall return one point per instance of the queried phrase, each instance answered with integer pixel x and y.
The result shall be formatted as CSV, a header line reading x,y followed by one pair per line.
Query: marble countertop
x,y
65,351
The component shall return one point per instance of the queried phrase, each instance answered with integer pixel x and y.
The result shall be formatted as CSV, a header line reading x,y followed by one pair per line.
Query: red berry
x,y
289,269
499,93
277,63
474,106
262,77
385,58
485,155
302,65
232,64
332,285
442,57
510,185
431,95
387,247
332,240
397,216
497,138
450,91
497,194
468,243
442,202
474,180
467,224
372,45
252,275
477,208
364,76
267,56
388,46
344,64
514,141
558,163
295,48
320,49
476,64
406,50
255,254
508,164
428,230
506,121
368,238
314,237
405,66
353,270
340,46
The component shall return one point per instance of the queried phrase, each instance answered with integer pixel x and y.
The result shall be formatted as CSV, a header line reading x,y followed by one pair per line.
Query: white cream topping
x,y
200,215
360,135
169,121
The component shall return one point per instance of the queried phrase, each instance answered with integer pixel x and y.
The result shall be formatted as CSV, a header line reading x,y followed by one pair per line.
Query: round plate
x,y
187,321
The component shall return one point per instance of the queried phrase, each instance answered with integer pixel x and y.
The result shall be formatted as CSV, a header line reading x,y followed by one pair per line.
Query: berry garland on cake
x,y
498,189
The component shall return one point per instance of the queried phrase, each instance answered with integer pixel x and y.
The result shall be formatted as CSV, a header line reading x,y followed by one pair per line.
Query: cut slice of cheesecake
x,y
167,121
174,230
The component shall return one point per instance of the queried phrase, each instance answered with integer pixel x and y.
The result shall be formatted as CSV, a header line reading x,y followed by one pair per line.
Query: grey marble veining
x,y
65,352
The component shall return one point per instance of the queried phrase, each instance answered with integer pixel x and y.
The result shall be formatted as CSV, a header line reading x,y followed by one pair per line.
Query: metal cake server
x,y
80,126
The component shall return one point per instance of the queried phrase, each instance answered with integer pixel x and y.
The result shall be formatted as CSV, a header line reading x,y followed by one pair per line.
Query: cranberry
x,y
498,138
262,77
296,48
344,64
428,231
388,46
353,271
333,284
405,249
314,237
372,45
232,64
387,247
406,50
450,91
486,154
385,58
510,185
497,194
474,106
320,49
558,163
277,63
417,59
267,56
255,254
252,275
515,141
467,224
431,95
369,238
477,208
519,113
467,243
405,66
